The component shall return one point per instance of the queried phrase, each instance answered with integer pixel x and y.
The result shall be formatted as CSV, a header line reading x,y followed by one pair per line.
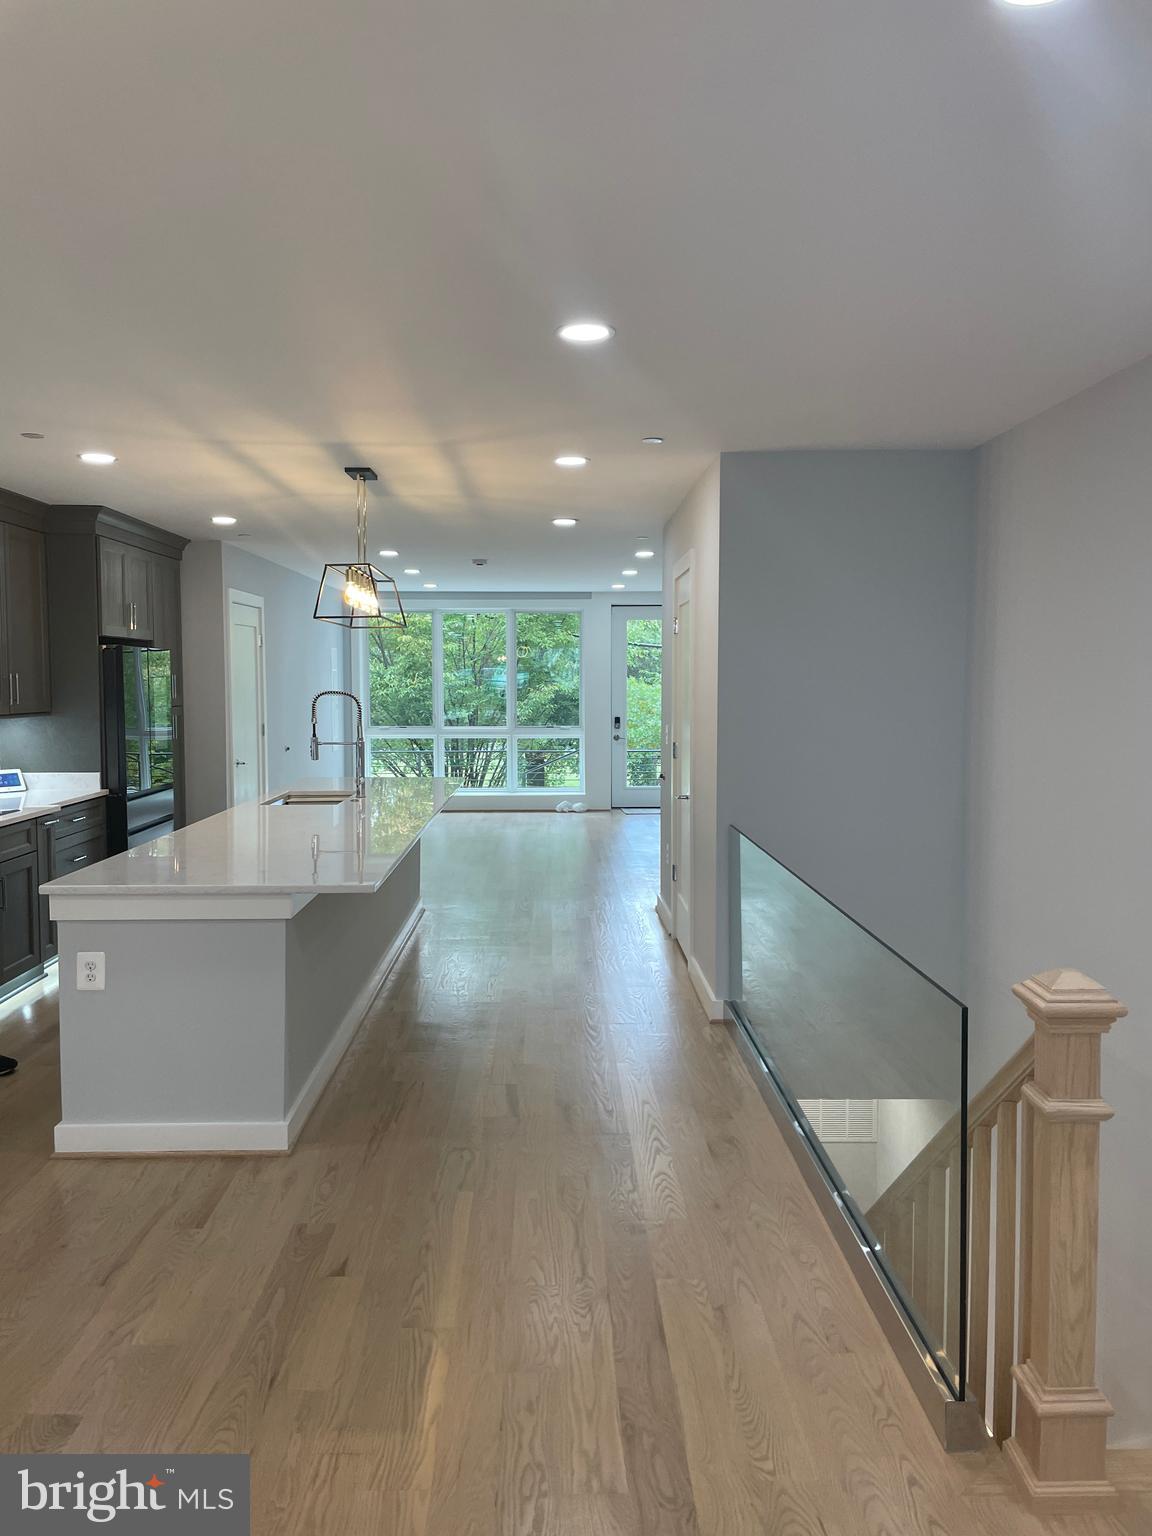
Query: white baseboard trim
x,y
664,914
143,1139
713,1006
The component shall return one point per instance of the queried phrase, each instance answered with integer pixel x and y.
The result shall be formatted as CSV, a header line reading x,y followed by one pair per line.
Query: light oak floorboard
x,y
540,1265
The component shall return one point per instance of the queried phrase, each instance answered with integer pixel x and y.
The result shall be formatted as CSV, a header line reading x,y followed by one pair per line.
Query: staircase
x,y
1033,1201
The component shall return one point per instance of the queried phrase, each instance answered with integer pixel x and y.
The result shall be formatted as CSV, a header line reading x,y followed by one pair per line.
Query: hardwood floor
x,y
540,1265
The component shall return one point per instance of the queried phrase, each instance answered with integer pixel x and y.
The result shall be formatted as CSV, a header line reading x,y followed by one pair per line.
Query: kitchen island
x,y
238,958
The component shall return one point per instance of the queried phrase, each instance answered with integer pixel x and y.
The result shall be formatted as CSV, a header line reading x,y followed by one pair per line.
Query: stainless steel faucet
x,y
358,743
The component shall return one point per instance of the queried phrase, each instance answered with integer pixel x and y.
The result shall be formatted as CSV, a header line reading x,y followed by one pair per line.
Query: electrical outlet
x,y
90,971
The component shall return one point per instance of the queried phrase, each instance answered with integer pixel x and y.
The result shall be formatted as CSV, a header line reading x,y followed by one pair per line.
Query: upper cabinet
x,y
25,687
165,603
126,607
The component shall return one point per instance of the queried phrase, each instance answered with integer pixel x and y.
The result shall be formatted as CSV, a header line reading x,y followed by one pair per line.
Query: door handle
x,y
616,736
682,797
11,691
239,763
17,676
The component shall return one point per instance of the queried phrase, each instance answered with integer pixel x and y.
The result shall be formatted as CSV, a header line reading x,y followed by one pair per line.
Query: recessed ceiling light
x,y
223,522
411,570
389,554
563,522
585,333
629,573
97,458
645,554
653,442
36,436
617,586
430,585
571,461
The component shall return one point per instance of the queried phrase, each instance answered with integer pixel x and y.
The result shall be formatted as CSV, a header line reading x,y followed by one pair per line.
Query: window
x,y
645,649
491,697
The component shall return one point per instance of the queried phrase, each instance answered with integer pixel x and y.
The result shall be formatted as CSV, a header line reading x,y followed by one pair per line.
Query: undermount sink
x,y
311,797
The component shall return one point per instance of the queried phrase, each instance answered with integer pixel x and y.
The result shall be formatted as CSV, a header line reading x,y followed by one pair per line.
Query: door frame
x,y
249,600
621,793
680,762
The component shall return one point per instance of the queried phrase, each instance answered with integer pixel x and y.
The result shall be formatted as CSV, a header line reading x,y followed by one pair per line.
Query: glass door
x,y
637,661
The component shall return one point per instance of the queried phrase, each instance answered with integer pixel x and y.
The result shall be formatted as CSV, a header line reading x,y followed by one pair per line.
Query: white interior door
x,y
246,696
682,762
637,642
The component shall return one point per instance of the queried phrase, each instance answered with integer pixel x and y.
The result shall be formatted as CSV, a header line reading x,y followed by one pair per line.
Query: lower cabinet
x,y
19,916
32,852
69,840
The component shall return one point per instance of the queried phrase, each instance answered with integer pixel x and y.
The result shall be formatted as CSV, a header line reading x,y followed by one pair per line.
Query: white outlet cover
x,y
90,970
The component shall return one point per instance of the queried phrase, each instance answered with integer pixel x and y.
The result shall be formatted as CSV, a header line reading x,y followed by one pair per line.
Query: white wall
x,y
302,656
694,530
1061,804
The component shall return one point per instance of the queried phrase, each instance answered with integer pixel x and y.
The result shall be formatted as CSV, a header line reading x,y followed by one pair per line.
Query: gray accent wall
x,y
302,656
1061,806
844,605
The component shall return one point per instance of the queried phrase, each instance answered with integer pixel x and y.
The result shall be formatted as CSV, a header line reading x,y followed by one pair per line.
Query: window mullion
x,y
511,640
438,764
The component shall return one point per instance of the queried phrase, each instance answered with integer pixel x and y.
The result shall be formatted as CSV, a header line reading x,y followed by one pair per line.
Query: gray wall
x,y
205,668
844,604
1061,808
302,656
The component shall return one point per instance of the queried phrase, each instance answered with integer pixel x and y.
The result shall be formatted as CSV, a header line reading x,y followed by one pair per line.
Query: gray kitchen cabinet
x,y
25,686
166,604
125,592
19,916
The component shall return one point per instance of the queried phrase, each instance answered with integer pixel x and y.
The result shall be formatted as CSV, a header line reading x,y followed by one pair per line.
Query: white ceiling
x,y
247,244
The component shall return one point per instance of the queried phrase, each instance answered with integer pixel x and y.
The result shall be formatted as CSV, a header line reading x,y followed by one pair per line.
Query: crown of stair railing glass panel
x,y
870,1056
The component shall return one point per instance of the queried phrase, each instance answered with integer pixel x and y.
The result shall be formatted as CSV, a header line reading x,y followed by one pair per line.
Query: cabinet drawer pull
x,y
80,859
55,822
79,818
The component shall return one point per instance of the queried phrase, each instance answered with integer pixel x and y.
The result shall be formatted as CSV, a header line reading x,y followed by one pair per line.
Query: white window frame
x,y
510,732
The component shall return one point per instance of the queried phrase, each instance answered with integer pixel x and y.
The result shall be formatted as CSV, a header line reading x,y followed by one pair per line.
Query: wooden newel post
x,y
1061,1415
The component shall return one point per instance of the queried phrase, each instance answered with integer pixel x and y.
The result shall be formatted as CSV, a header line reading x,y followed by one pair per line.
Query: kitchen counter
x,y
264,848
211,980
48,792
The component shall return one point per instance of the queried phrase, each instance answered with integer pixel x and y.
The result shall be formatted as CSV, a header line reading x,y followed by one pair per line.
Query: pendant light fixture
x,y
355,593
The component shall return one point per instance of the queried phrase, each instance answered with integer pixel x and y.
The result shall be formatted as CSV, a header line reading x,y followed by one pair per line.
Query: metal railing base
x,y
959,1425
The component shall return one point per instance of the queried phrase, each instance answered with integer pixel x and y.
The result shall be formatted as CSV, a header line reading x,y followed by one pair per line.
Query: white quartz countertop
x,y
264,849
48,792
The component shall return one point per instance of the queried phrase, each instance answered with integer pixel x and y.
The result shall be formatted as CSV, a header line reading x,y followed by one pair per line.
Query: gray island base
x,y
240,956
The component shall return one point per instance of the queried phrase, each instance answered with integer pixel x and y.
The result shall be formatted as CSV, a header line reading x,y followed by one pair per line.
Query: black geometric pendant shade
x,y
356,593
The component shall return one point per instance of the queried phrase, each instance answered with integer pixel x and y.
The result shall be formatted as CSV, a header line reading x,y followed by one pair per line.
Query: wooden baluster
x,y
952,1286
1024,1341
1004,1327
1061,1415
936,1222
979,1268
